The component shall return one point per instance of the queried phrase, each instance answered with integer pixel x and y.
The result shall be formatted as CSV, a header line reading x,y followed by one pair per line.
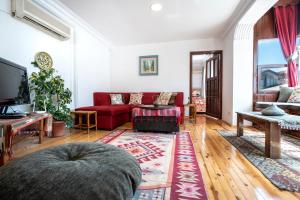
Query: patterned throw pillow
x,y
163,98
295,96
136,98
116,99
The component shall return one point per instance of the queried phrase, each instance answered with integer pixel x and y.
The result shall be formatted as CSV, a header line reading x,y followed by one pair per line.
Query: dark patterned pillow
x,y
116,99
172,99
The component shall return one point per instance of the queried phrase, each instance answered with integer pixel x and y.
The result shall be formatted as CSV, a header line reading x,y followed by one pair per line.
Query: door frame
x,y
220,52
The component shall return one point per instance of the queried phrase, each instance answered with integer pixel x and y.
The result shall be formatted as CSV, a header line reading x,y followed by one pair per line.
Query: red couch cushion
x,y
110,110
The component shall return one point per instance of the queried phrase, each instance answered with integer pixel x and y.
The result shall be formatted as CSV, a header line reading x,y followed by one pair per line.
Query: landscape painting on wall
x,y
148,65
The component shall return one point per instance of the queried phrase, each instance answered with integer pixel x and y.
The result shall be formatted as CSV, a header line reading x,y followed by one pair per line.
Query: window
x,y
271,65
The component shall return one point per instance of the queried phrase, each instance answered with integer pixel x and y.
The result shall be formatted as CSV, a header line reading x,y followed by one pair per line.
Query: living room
x,y
139,56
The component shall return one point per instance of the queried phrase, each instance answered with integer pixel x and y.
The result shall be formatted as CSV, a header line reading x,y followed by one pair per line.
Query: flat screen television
x,y
14,88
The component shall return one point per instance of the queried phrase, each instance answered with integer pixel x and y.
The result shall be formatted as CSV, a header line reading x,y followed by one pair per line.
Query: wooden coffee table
x,y
271,128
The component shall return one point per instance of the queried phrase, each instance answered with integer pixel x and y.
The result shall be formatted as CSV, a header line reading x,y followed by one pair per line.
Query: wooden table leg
x,y
3,155
80,121
272,140
88,122
42,131
267,139
96,120
8,138
4,158
275,141
2,147
240,125
195,115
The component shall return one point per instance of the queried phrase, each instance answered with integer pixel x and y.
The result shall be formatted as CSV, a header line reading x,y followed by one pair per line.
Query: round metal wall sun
x,y
43,60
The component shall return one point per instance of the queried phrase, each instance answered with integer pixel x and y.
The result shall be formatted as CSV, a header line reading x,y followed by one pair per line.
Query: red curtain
x,y
286,24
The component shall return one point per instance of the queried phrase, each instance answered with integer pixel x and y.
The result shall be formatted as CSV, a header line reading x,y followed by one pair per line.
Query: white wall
x,y
197,79
92,60
89,72
227,101
174,65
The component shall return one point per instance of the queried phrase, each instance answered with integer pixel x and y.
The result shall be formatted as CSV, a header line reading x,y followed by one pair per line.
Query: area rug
x,y
168,161
284,173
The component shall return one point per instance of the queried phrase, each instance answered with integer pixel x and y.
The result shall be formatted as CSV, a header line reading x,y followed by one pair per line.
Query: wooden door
x,y
214,86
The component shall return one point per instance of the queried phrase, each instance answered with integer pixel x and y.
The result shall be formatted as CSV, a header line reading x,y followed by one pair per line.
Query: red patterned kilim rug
x,y
169,165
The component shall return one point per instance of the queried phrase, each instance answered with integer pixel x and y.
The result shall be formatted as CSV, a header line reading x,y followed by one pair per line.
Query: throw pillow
x,y
285,93
136,98
164,98
116,99
273,110
295,96
172,99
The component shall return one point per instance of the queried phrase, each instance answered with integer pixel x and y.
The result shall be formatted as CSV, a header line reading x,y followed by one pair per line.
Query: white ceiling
x,y
125,22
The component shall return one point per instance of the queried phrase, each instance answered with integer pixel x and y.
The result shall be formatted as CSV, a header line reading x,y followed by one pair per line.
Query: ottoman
x,y
72,171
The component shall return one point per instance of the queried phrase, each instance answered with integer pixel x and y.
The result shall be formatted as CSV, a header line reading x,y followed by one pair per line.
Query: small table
x,y
193,112
10,127
81,115
271,128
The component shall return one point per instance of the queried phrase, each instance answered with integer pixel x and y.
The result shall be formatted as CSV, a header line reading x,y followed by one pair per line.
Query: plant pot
x,y
58,128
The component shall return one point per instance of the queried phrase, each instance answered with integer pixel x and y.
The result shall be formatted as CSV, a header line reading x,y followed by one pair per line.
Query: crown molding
x,y
243,31
58,8
239,12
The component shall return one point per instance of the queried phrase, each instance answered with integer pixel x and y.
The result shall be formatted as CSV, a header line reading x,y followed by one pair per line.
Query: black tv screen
x,y
13,84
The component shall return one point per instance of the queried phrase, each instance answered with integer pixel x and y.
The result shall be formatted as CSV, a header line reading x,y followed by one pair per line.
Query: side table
x,y
193,112
82,119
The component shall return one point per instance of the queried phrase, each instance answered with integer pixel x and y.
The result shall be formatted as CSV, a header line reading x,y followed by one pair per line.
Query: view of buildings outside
x,y
272,66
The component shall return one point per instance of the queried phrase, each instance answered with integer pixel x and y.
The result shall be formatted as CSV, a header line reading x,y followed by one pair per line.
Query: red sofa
x,y
111,116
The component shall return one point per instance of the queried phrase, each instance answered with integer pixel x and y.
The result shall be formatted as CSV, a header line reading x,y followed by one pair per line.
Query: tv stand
x,y
12,115
3,109
10,128
5,115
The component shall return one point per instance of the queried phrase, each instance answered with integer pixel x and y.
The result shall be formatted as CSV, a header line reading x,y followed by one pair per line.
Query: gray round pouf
x,y
77,171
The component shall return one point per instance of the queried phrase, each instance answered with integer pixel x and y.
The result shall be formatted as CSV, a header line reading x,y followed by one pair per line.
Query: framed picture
x,y
148,65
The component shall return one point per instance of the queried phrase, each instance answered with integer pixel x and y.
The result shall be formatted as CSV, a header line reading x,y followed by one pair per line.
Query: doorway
x,y
206,82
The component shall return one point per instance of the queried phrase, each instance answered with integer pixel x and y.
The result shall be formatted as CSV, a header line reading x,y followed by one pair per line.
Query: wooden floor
x,y
227,174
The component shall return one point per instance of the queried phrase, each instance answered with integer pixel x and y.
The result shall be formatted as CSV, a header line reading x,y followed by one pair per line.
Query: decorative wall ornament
x,y
43,60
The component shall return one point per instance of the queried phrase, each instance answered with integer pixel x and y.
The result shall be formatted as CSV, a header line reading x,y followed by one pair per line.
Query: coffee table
x,y
271,128
156,118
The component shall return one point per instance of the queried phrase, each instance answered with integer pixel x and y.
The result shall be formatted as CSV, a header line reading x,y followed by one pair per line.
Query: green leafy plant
x,y
51,94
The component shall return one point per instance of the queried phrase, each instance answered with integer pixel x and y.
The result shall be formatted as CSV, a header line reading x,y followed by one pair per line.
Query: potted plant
x,y
52,96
